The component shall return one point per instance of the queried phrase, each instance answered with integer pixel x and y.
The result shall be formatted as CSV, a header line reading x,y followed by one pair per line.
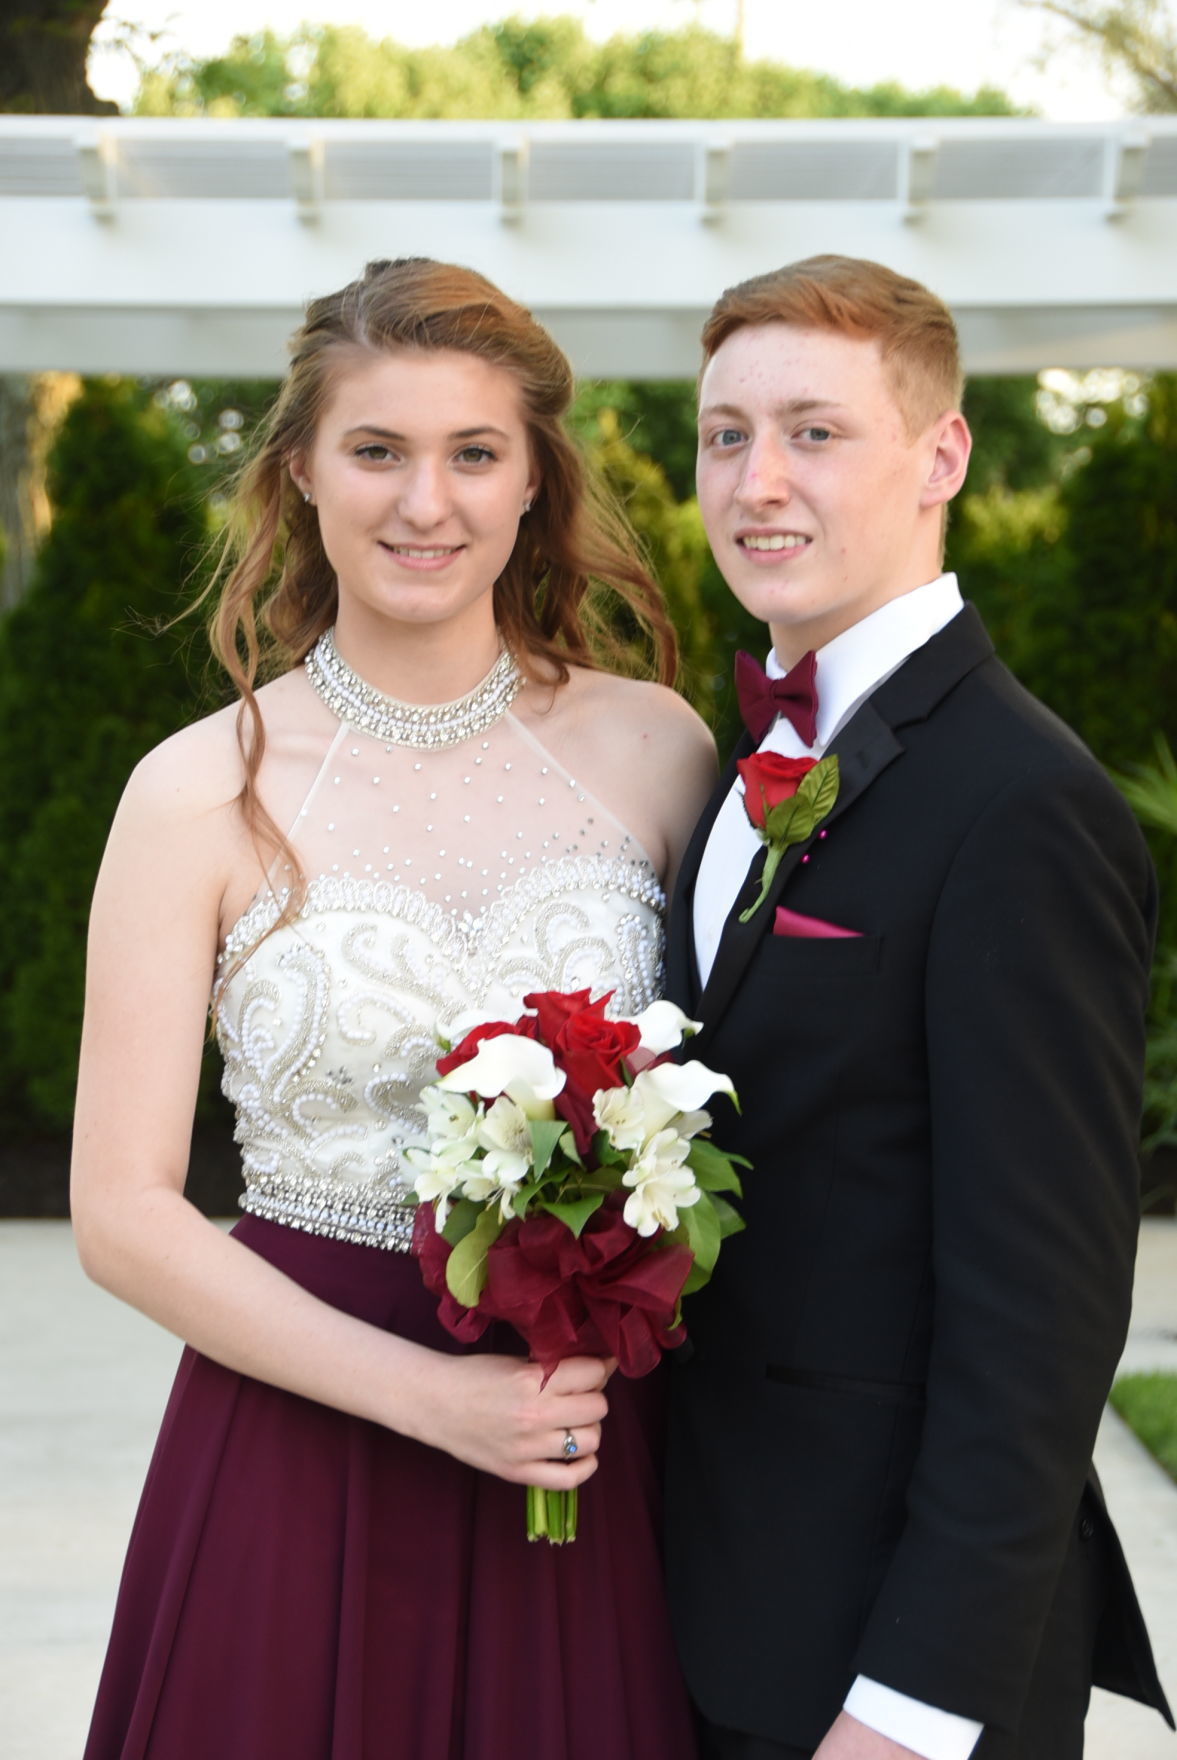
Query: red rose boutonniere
x,y
785,800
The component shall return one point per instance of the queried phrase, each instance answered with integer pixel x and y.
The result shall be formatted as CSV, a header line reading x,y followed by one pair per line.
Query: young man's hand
x,y
851,1740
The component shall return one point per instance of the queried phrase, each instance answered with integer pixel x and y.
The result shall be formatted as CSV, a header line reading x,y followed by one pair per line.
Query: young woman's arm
x,y
175,843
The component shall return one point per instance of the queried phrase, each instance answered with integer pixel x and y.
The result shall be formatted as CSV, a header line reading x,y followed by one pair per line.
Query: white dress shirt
x,y
849,670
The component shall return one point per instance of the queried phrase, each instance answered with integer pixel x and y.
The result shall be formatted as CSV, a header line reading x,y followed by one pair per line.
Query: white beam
x,y
205,259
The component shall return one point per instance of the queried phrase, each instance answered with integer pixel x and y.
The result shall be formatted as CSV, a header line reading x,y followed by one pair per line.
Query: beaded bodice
x,y
443,885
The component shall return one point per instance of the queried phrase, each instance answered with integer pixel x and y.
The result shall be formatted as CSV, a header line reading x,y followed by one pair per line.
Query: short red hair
x,y
915,330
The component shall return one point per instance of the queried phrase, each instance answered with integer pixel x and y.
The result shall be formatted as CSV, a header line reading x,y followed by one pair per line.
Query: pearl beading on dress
x,y
425,727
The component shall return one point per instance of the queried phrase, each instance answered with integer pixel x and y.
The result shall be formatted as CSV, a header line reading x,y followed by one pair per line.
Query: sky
x,y
961,43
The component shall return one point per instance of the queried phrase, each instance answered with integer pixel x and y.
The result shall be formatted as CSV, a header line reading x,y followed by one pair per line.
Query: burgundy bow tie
x,y
762,698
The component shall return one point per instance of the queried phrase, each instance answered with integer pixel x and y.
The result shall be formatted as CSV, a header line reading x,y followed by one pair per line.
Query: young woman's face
x,y
419,472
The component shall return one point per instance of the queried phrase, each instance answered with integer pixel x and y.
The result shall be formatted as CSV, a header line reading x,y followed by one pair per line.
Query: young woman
x,y
444,803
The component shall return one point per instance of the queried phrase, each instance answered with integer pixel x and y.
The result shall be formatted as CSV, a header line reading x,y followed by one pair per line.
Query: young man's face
x,y
818,504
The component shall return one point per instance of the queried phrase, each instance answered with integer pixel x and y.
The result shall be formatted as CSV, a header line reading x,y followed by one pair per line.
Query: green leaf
x,y
524,1194
703,1234
574,1212
568,1144
729,1219
696,1278
545,1135
790,822
461,1219
784,824
465,1271
713,1169
605,1154
820,786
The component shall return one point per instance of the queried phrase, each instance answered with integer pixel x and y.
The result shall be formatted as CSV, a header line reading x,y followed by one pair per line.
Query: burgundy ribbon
x,y
605,1293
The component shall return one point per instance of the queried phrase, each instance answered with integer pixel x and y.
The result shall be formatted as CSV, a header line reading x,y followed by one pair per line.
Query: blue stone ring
x,y
568,1447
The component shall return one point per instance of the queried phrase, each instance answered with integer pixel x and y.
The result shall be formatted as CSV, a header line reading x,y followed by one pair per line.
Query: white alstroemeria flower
x,y
505,1125
505,1134
619,1112
501,1155
663,1027
435,1179
631,1116
448,1115
489,1179
513,1065
662,1184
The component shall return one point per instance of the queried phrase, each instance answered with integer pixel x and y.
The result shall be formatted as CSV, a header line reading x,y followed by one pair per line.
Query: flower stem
x,y
551,1515
772,861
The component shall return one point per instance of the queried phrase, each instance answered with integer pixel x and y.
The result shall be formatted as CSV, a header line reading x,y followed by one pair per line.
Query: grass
x,y
1148,1405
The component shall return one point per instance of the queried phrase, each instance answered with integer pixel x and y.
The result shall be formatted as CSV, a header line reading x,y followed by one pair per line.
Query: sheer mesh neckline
x,y
456,828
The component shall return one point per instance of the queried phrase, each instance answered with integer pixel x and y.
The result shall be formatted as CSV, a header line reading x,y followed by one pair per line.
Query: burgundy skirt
x,y
304,1585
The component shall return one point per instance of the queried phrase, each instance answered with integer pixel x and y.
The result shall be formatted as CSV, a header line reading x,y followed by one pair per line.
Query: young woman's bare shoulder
x,y
628,710
639,748
199,770
193,772
638,702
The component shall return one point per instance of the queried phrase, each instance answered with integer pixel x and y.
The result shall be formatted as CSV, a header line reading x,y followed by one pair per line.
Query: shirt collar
x,y
855,663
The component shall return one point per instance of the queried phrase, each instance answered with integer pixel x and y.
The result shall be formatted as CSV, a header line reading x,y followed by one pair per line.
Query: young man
x,y
885,1536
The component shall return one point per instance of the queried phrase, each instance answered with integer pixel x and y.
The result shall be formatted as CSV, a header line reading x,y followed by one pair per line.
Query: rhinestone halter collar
x,y
423,726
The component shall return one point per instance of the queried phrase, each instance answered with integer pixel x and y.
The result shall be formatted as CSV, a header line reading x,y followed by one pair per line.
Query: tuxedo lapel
x,y
865,747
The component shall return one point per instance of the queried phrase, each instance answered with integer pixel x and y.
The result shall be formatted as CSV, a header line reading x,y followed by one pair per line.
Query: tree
x,y
629,428
546,68
86,687
43,49
1136,37
1120,620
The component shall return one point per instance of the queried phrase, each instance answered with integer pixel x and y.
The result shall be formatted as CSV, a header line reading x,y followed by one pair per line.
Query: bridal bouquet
x,y
568,1186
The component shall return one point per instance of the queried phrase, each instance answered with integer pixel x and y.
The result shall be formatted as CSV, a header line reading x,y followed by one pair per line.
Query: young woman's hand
x,y
494,1413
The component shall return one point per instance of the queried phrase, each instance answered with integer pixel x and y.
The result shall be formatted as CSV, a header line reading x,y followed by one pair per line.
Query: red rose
x,y
770,779
553,1008
589,1049
468,1047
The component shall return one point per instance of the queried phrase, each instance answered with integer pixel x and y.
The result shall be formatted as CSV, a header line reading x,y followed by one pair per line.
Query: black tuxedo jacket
x,y
881,1430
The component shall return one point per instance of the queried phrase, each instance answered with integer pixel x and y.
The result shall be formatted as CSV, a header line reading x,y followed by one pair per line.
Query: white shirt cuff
x,y
936,1735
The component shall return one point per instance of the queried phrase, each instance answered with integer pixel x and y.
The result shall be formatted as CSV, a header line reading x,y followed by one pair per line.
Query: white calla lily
x,y
663,1027
683,1087
510,1064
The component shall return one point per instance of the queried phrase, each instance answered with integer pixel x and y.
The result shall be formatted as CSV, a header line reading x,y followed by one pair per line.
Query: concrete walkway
x,y
82,1384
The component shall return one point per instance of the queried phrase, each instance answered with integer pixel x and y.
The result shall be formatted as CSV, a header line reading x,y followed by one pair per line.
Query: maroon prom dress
x,y
304,1585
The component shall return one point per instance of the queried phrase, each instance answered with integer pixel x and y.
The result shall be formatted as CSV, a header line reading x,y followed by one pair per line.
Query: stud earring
x,y
527,506
306,495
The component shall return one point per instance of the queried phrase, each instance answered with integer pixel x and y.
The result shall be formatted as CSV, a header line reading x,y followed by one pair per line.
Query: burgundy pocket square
x,y
792,923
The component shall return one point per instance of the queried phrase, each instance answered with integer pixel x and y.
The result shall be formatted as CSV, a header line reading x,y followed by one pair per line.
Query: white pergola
x,y
170,246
